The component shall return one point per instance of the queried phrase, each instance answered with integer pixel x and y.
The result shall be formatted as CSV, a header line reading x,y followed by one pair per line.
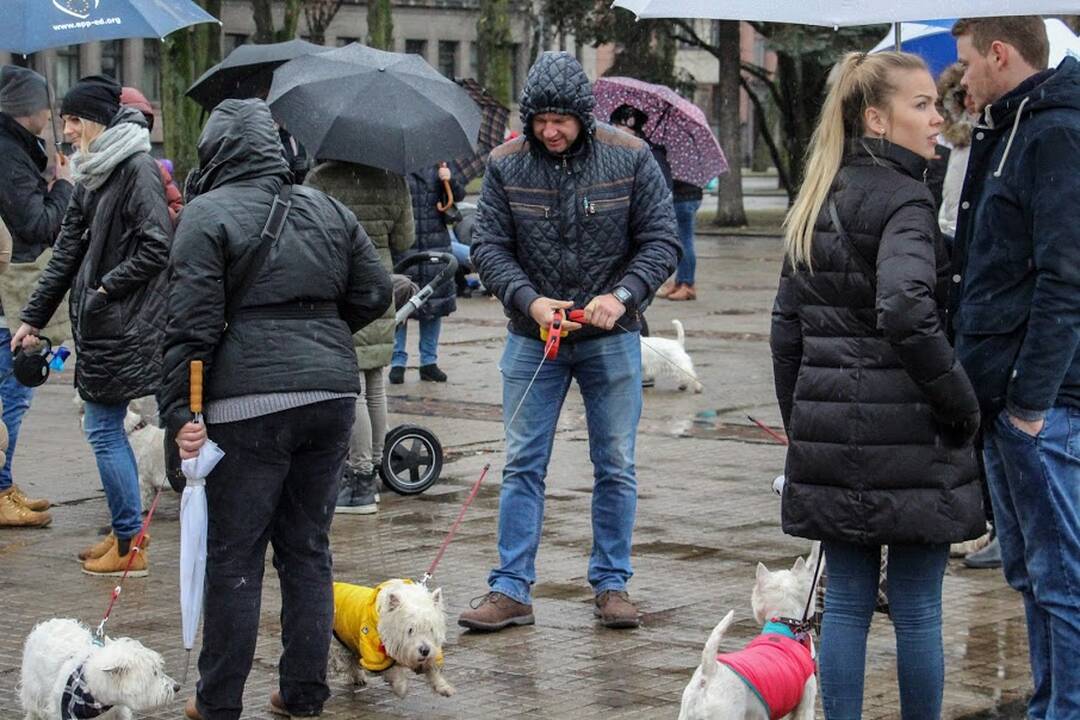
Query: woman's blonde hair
x,y
90,132
858,81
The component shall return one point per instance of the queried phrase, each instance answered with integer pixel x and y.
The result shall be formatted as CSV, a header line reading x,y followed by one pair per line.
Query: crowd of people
x,y
926,350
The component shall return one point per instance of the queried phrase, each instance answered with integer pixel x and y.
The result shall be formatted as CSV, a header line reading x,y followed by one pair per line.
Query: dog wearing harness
x,y
774,675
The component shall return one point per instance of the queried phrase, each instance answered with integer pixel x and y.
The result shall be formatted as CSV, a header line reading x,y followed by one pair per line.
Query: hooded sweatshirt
x,y
1016,282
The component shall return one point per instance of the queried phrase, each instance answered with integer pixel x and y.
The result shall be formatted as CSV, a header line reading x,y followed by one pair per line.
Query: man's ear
x,y
1000,54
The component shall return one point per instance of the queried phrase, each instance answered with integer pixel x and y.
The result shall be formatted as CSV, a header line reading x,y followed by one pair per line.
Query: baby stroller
x,y
412,455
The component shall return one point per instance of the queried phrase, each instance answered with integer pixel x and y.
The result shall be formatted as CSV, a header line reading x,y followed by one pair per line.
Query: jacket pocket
x,y
100,317
530,210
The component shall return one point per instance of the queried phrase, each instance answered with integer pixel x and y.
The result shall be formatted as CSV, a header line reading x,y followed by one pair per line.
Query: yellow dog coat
x,y
356,624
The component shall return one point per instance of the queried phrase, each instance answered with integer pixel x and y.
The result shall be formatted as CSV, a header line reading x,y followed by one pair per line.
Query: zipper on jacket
x,y
545,208
593,205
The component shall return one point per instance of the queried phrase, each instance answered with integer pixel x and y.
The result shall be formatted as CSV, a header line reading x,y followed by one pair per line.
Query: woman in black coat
x,y
427,191
113,245
879,413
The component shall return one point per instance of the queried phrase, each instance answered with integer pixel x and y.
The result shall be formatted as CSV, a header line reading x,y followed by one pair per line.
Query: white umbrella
x,y
193,523
842,12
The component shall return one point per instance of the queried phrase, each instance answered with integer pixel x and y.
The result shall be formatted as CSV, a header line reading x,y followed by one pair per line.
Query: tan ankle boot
x,y
113,564
14,514
35,504
98,549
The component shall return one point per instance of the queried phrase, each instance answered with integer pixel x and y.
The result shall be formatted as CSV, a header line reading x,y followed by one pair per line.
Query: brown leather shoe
x,y
277,707
14,514
495,611
113,564
615,610
666,289
35,504
191,711
683,292
102,546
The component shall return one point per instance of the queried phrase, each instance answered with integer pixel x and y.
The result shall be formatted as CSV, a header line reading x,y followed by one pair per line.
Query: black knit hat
x,y
22,91
95,98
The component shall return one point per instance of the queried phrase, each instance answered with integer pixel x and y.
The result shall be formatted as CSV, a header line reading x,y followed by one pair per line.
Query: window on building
x,y
342,41
151,70
416,47
448,51
112,59
68,69
474,59
233,41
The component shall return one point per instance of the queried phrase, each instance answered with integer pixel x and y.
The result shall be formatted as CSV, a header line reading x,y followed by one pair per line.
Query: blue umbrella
x,y
33,25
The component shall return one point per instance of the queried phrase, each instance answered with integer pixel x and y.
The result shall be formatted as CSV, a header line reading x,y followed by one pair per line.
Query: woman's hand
x,y
26,336
190,439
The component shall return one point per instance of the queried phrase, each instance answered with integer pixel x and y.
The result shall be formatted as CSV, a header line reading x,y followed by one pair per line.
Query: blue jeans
x,y
429,343
16,398
686,217
1035,489
608,371
914,576
104,428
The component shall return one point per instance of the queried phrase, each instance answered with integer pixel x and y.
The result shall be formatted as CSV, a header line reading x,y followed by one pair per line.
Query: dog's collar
x,y
141,424
775,627
791,627
77,703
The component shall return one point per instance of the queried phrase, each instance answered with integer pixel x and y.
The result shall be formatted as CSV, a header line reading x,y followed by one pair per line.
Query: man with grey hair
x,y
32,208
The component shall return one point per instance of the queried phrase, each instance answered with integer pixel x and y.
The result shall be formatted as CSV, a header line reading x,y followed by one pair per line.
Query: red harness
x,y
776,668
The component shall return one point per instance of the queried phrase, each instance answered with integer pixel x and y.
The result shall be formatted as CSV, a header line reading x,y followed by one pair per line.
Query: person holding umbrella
x,y
32,208
269,283
112,249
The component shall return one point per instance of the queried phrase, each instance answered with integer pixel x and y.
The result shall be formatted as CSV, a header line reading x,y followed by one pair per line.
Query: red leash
x,y
453,528
136,546
768,430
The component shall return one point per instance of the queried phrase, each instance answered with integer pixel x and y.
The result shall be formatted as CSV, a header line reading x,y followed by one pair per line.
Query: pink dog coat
x,y
775,666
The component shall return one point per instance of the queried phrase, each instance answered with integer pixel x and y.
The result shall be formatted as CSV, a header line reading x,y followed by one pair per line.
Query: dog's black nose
x,y
424,651
176,687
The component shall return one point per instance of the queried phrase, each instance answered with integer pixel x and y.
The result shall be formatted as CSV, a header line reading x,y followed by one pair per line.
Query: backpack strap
x,y
864,266
271,231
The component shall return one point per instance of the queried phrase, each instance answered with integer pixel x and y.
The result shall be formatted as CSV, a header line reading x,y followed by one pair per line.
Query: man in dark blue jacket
x,y
1017,326
32,209
572,214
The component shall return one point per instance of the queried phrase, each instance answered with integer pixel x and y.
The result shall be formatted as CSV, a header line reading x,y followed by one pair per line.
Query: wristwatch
x,y
623,295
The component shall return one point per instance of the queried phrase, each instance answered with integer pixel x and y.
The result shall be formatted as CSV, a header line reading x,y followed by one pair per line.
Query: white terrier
x,y
667,358
148,445
66,675
392,629
717,692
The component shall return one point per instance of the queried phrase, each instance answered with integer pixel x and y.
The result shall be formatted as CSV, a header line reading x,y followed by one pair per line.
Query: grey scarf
x,y
108,150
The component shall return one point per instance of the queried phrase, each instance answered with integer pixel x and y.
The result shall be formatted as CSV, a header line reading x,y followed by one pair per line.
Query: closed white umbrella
x,y
193,520
842,12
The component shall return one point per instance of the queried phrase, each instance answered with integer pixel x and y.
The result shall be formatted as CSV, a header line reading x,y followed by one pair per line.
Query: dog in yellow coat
x,y
393,628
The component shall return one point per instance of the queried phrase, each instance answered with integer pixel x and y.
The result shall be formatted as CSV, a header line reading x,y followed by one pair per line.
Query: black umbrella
x,y
361,105
247,71
494,116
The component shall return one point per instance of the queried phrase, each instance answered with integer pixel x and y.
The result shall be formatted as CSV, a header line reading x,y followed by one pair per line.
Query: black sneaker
x,y
397,375
361,497
432,373
345,494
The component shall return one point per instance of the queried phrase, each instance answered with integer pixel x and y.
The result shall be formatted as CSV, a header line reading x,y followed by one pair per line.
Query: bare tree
x,y
319,14
263,14
380,22
730,211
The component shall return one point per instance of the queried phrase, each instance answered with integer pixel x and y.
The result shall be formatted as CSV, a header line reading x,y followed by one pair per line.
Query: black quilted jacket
x,y
867,382
426,190
118,238
574,226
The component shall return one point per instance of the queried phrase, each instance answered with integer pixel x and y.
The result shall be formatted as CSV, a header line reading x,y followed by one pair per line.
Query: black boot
x,y
397,375
362,501
432,373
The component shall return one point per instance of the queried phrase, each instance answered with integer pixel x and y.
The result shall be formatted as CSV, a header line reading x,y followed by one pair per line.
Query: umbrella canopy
x,y
674,122
247,71
849,12
388,110
33,25
493,119
934,43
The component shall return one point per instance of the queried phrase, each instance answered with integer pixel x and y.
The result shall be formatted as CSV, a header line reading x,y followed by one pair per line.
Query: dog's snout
x,y
176,687
425,651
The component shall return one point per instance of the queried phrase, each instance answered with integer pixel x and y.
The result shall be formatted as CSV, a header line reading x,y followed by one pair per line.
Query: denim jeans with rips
x,y
1035,488
608,372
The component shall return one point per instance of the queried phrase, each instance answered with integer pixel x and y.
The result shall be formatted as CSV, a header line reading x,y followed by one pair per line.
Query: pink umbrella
x,y
674,122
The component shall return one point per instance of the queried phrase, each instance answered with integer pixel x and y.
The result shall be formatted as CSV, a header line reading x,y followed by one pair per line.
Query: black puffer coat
x,y
578,225
323,259
116,238
868,385
31,211
426,190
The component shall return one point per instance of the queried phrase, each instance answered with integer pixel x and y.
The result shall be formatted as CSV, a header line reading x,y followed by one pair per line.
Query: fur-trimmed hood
x,y
958,123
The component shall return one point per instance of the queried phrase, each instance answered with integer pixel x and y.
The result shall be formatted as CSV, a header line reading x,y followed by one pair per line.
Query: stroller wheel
x,y
412,459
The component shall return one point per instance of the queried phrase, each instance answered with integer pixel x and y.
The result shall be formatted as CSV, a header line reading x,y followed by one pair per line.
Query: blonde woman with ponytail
x,y
879,414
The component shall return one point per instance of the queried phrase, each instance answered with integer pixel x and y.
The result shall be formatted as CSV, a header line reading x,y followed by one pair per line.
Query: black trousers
x,y
277,483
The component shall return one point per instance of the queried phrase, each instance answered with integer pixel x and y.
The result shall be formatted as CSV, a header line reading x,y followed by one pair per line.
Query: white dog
x,y
65,674
717,692
392,629
664,357
148,445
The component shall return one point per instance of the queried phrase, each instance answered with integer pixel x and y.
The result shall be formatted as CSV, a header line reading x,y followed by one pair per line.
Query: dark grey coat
x,y
878,411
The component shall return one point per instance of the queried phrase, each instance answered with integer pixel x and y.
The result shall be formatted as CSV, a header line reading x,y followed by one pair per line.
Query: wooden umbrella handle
x,y
196,378
449,193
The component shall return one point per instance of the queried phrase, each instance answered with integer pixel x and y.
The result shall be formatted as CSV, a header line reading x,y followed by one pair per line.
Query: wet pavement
x,y
706,516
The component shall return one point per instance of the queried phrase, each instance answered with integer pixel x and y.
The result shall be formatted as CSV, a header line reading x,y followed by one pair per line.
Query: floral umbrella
x,y
674,122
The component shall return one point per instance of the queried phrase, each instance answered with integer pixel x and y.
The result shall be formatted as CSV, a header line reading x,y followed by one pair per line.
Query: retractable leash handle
x,y
553,333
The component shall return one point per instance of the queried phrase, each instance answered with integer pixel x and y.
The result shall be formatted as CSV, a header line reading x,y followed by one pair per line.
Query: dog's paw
x,y
444,688
399,687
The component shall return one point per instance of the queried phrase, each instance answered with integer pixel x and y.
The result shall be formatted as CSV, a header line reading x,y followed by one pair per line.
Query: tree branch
x,y
766,135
